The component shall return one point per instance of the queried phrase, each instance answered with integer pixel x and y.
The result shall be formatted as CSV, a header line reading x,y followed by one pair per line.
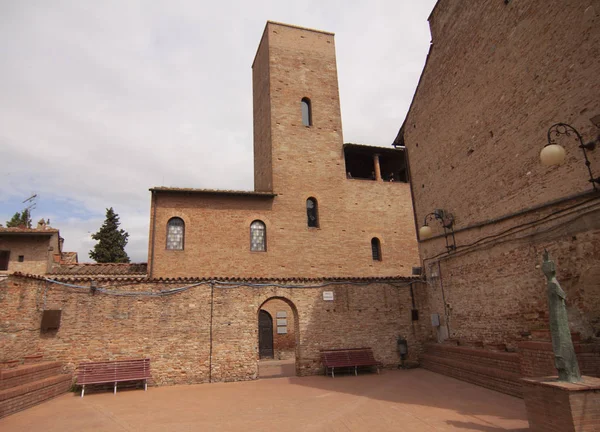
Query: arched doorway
x,y
278,338
265,335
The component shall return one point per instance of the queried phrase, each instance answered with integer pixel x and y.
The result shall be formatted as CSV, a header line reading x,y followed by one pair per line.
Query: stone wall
x,y
37,251
207,332
497,77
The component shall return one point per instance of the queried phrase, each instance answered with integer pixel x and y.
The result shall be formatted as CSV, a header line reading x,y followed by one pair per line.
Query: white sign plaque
x,y
328,295
282,314
281,322
281,330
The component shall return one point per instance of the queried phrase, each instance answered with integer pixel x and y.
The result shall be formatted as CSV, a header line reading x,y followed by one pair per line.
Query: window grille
x,y
175,234
258,236
376,249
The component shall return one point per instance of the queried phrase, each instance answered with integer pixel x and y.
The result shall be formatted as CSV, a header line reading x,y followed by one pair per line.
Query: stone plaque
x,y
282,314
328,295
281,330
281,322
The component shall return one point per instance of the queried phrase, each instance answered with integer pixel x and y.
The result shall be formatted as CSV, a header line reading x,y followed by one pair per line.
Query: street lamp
x,y
554,154
447,221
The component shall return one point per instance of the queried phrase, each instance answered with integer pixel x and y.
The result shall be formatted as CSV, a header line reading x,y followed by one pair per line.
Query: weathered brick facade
x,y
36,247
207,332
293,162
497,77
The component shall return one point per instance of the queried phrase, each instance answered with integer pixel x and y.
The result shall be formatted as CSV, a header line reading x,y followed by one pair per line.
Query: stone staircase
x,y
31,383
496,370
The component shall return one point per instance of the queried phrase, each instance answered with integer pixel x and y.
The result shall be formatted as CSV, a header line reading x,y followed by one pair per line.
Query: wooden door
x,y
265,335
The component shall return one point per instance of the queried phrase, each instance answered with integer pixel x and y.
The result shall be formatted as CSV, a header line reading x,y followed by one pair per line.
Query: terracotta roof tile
x,y
213,191
100,269
19,230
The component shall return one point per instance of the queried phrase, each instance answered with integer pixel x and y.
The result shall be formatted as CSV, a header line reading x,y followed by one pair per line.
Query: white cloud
x,y
102,100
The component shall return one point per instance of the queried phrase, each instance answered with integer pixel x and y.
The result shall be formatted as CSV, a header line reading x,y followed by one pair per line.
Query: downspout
x,y
210,350
150,270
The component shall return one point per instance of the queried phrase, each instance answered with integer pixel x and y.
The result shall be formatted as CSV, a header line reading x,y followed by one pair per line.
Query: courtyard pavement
x,y
405,400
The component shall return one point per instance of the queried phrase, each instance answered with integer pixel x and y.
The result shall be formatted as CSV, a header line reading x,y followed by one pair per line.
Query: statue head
x,y
548,266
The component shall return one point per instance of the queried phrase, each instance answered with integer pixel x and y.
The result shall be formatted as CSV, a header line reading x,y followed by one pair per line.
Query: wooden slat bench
x,y
348,358
113,372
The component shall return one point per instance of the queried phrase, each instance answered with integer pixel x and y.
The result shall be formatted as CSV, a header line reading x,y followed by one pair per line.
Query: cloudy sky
x,y
101,100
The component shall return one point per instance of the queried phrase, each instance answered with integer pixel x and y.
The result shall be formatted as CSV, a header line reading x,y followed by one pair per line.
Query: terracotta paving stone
x,y
411,400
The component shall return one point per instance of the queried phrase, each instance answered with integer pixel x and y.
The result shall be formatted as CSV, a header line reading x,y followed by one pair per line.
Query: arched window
x,y
376,249
175,233
312,213
306,112
258,236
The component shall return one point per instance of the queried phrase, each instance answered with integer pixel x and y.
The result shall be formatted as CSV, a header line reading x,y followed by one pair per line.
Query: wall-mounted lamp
x,y
554,154
447,221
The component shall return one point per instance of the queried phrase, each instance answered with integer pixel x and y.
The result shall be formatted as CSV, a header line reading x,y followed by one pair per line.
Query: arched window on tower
x,y
258,236
306,112
376,249
312,213
175,233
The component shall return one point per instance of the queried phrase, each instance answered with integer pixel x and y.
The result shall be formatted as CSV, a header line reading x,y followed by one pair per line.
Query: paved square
x,y
411,400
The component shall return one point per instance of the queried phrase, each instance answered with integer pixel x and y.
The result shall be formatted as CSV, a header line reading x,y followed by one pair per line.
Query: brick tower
x,y
293,65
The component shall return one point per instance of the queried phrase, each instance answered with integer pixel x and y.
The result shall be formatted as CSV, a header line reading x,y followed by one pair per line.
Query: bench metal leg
x,y
355,371
333,372
115,388
82,390
145,385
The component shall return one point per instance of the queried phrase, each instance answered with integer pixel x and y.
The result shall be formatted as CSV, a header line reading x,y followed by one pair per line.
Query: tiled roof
x,y
30,231
370,148
101,269
213,191
180,280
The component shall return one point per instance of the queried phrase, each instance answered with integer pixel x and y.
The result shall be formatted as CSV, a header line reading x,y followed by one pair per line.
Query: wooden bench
x,y
348,358
113,372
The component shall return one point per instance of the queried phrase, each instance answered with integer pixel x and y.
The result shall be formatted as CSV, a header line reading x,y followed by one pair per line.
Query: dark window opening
x,y
175,233
306,112
312,213
376,249
21,258
4,256
360,163
393,166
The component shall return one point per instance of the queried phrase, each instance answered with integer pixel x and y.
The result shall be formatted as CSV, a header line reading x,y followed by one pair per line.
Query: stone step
x,y
27,373
24,396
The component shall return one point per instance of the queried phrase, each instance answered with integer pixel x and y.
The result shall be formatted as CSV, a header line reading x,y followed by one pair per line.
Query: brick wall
x,y
34,249
497,77
294,162
202,334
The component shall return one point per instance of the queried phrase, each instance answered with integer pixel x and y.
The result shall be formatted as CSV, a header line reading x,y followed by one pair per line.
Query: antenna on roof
x,y
32,202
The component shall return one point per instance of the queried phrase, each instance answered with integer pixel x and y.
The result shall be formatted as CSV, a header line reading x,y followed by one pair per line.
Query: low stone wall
x,y
537,358
204,332
496,370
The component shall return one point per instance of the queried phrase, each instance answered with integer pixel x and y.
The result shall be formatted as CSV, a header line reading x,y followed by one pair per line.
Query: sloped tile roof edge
x,y
179,280
213,191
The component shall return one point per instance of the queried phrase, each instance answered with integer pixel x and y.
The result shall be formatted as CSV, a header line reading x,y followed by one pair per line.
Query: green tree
x,y
111,241
20,219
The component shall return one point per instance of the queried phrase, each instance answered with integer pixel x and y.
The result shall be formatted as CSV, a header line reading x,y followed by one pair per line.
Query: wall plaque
x,y
328,295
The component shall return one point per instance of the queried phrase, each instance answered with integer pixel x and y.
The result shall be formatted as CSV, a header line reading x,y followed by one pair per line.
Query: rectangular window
x,y
21,258
4,256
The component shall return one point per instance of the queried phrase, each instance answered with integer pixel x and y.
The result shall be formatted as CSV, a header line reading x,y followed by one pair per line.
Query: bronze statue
x,y
565,360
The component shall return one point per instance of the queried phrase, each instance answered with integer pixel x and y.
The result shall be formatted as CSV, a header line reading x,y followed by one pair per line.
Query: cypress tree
x,y
111,241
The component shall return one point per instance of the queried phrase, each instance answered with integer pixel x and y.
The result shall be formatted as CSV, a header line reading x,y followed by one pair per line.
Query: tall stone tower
x,y
295,71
